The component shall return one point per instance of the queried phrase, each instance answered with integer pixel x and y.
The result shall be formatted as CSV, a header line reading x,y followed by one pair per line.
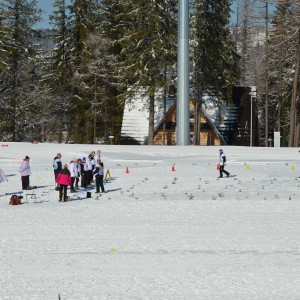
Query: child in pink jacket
x,y
64,179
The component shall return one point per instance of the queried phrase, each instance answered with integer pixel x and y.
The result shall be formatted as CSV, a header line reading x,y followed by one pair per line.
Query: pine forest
x,y
69,82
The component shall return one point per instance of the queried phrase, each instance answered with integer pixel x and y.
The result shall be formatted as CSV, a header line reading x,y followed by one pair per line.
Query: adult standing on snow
x,y
99,172
25,172
222,159
57,166
64,179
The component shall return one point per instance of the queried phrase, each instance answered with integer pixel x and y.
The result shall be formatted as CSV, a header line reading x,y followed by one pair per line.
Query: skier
x,y
25,172
57,166
99,172
64,179
222,159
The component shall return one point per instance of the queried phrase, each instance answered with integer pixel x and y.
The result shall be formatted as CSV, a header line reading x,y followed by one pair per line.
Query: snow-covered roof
x,y
136,116
222,115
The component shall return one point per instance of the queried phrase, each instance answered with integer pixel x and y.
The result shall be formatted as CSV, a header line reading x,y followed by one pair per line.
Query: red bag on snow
x,y
15,200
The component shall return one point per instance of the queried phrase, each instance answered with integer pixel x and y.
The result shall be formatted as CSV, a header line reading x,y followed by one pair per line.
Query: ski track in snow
x,y
157,233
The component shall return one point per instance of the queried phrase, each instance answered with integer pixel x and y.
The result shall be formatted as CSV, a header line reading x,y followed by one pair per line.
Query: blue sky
x,y
46,6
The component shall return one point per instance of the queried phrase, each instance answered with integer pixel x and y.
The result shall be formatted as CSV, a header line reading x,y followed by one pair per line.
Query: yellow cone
x,y
107,175
293,168
247,167
112,250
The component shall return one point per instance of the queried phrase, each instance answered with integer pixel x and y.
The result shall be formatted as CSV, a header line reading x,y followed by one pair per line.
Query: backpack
x,y
15,200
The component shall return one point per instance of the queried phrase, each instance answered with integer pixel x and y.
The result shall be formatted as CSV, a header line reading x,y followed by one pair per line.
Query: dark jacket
x,y
57,165
99,169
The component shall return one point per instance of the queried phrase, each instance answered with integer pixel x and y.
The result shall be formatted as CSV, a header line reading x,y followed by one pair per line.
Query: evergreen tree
x,y
19,78
84,18
145,33
58,72
280,88
100,77
112,22
2,43
245,42
213,43
293,39
284,76
214,63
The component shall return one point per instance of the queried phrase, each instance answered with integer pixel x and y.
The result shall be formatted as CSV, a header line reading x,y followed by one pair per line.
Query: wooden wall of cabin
x,y
207,135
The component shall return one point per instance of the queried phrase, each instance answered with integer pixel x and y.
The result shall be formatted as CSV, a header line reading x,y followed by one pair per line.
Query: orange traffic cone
x,y
127,170
173,168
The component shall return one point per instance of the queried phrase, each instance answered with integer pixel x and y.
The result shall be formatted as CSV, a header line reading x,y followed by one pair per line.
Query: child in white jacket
x,y
74,172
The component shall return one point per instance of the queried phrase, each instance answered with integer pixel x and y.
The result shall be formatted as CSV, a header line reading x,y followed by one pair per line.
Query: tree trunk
x,y
151,120
196,120
296,140
280,98
267,78
293,136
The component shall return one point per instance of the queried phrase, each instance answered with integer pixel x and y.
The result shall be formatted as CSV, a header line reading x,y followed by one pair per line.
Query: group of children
x,y
84,168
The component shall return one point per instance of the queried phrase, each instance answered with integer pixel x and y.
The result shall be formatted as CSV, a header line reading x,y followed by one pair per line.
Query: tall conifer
x,y
145,33
58,72
19,78
214,64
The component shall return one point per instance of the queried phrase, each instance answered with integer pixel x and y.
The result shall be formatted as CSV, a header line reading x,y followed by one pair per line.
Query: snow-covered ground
x,y
157,233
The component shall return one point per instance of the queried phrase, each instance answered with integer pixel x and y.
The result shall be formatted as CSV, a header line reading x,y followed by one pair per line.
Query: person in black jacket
x,y
57,167
84,173
99,175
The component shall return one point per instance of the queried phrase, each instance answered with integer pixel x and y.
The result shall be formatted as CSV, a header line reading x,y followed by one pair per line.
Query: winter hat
x,y
74,159
84,159
27,157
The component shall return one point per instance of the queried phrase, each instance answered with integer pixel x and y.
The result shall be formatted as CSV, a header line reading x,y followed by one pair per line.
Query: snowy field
x,y
157,233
